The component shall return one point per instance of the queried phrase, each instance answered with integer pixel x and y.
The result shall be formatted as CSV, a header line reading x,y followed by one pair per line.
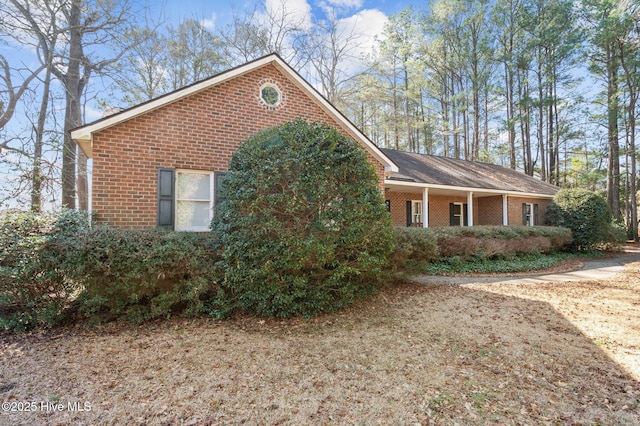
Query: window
x,y
185,198
416,212
529,214
194,200
270,94
457,214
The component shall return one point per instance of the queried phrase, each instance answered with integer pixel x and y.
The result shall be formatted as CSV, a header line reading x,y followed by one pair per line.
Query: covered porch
x,y
438,191
424,206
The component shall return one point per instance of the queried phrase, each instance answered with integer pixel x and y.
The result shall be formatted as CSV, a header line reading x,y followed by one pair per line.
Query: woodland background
x,y
548,87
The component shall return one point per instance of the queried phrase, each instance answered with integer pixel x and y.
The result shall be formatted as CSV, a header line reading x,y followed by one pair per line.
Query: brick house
x,y
160,163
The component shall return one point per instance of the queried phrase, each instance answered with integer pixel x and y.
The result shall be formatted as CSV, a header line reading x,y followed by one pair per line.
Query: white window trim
x,y
462,213
416,212
177,200
530,216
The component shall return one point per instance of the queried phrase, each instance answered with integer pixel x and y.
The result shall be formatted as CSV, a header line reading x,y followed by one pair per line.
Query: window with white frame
x,y
194,200
530,214
457,214
416,212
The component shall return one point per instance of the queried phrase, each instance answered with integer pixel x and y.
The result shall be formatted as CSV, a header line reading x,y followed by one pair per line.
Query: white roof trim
x,y
84,135
396,183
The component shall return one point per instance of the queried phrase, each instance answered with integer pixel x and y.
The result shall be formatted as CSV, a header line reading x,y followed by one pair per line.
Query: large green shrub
x,y
34,287
588,216
303,224
141,274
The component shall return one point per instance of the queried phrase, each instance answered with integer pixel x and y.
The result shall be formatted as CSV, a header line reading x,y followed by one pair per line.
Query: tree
x,y
10,94
76,34
332,44
143,71
628,47
192,54
276,28
15,24
505,15
601,16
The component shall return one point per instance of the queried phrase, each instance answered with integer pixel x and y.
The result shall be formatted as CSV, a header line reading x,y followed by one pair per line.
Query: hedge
x,y
48,261
137,275
424,245
34,286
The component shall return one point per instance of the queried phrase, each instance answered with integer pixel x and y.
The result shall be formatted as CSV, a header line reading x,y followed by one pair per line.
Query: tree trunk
x,y
613,171
72,112
541,142
36,172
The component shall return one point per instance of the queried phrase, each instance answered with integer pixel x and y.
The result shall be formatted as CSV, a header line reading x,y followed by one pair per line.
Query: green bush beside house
x,y
302,227
588,216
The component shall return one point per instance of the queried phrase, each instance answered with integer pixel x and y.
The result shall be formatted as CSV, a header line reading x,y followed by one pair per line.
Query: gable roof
x,y
84,135
432,171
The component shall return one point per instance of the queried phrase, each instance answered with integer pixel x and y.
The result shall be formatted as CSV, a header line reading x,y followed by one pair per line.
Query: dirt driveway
x,y
468,354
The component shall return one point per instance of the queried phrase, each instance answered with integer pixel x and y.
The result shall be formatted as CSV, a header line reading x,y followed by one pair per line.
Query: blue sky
x,y
219,12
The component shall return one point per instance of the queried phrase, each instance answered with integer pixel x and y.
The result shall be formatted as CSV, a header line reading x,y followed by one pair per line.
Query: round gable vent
x,y
270,95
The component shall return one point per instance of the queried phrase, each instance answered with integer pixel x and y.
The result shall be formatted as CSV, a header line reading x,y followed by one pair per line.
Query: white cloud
x,y
347,4
209,23
294,13
92,114
367,24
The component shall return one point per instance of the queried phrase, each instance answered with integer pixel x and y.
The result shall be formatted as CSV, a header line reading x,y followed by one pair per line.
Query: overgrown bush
x,y
137,275
415,245
303,223
34,288
588,216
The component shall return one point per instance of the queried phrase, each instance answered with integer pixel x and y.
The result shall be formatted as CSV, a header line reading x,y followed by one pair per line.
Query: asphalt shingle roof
x,y
435,170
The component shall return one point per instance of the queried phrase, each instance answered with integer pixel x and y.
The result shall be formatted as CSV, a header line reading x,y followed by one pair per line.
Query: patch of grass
x,y
521,263
440,401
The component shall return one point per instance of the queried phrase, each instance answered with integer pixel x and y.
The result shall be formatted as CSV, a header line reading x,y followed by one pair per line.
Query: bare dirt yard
x,y
472,354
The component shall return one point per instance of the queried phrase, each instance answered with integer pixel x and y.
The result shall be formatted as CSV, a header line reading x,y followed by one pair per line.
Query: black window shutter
x,y
524,213
464,214
409,218
536,211
166,197
218,193
452,217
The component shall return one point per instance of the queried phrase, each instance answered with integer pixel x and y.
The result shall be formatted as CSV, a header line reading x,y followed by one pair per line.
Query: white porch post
x,y
470,208
505,210
425,208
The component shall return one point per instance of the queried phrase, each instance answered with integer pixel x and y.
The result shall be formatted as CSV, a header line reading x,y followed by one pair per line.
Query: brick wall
x,y
515,209
489,210
199,132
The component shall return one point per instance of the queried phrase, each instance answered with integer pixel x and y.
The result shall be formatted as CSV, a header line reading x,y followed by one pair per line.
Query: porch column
x,y
505,210
470,208
425,208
